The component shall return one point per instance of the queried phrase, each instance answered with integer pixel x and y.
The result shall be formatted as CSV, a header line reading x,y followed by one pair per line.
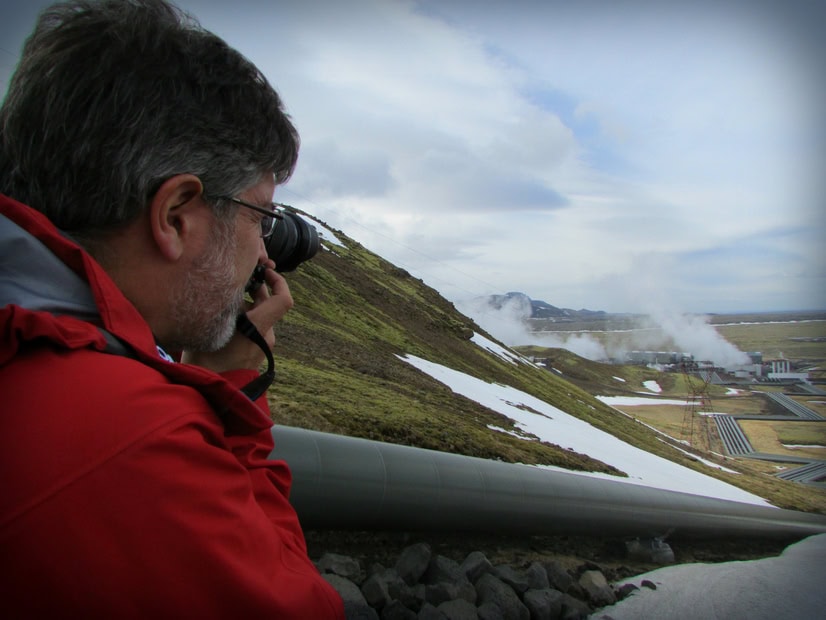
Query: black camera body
x,y
293,242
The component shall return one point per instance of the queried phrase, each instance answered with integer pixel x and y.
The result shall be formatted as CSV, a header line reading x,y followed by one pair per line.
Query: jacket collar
x,y
32,277
51,289
43,270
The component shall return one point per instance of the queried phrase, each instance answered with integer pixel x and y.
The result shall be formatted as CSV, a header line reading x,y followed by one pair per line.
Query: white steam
x,y
672,331
509,323
694,334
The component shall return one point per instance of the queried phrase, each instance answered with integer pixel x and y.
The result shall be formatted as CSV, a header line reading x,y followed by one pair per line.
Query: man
x,y
138,159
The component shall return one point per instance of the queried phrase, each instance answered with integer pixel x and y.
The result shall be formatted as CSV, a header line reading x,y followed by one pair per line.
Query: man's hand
x,y
270,303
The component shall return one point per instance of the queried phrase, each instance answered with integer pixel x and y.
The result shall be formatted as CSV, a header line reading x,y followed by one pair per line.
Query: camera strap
x,y
255,388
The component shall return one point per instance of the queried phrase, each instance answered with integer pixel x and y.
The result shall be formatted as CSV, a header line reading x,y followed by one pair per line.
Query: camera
x,y
293,242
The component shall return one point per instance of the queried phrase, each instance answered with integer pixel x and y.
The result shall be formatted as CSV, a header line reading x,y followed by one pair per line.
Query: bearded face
x,y
206,306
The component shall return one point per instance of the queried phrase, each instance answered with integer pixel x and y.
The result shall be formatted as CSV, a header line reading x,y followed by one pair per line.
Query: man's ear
x,y
174,211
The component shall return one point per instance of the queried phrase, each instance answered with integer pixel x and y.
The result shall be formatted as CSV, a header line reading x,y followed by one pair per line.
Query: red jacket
x,y
131,486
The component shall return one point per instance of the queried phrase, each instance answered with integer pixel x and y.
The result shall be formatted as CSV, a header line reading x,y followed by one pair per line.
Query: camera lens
x,y
293,242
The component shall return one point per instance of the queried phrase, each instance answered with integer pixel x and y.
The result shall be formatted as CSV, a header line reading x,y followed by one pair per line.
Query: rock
x,y
537,577
589,565
413,563
429,612
466,592
495,595
558,577
375,592
458,610
445,581
356,606
383,587
414,597
517,580
342,565
577,591
438,593
424,585
653,550
488,611
626,590
597,588
395,610
545,604
574,609
376,567
442,569
475,565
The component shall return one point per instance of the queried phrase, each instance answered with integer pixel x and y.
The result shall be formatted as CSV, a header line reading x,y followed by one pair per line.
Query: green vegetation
x,y
803,341
801,433
338,359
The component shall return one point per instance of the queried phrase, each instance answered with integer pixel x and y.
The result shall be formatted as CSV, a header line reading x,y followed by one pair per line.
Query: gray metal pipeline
x,y
349,483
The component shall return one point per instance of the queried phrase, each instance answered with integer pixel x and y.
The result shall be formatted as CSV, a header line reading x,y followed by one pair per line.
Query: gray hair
x,y
111,98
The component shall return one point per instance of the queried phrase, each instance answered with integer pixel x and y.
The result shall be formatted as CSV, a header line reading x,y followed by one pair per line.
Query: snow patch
x,y
498,349
702,460
551,424
652,386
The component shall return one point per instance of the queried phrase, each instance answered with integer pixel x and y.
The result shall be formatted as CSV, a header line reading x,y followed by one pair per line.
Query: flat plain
x,y
798,338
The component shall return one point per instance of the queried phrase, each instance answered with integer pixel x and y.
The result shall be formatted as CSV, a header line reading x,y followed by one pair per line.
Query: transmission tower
x,y
697,402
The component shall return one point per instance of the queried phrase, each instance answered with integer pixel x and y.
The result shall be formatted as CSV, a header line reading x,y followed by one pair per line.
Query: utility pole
x,y
697,402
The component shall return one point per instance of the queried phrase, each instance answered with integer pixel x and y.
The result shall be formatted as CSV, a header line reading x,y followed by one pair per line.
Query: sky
x,y
626,156
535,418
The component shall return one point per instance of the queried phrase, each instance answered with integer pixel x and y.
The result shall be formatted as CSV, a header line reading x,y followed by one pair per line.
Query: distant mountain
x,y
542,309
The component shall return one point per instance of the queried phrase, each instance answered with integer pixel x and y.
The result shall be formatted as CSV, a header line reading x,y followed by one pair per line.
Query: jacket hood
x,y
32,277
48,278
52,291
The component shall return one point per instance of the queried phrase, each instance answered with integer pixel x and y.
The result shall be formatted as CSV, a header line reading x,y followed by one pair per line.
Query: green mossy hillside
x,y
340,368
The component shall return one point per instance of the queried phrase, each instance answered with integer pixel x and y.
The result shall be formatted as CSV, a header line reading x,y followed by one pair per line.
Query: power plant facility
x,y
757,370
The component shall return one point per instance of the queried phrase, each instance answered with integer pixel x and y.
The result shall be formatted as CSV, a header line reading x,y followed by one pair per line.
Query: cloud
x,y
563,149
358,172
427,97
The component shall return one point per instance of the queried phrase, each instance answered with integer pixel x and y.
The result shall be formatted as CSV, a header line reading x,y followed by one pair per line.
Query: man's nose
x,y
262,250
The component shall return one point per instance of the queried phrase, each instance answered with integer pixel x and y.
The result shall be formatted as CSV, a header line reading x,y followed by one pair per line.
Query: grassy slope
x,y
339,371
